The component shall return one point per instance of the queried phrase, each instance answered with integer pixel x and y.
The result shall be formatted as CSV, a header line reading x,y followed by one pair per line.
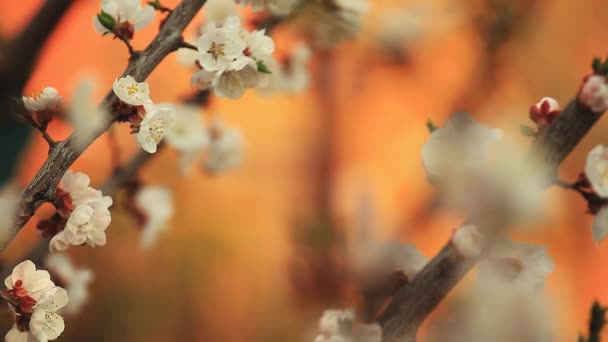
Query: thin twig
x,y
185,45
52,143
132,52
9,300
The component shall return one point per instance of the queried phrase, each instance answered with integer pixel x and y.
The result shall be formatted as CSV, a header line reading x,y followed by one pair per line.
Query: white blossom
x,y
75,280
155,125
126,13
594,93
156,204
47,99
45,323
468,241
86,117
35,282
596,170
225,149
549,102
129,91
219,47
459,147
521,265
188,134
600,225
89,218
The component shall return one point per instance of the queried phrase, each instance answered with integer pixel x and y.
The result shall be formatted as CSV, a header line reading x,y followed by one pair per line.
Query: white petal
x,y
143,17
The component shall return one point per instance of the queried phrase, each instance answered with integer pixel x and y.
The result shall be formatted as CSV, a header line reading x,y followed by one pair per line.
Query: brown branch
x,y
123,174
43,185
413,303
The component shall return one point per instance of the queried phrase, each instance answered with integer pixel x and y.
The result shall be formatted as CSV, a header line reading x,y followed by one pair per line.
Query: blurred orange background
x,y
224,271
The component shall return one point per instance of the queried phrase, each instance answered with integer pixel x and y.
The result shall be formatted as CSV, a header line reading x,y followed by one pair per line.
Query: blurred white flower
x,y
129,91
460,147
519,264
468,241
335,21
217,11
75,280
27,281
225,149
600,225
89,216
232,81
156,205
334,321
45,323
276,7
391,256
155,125
594,93
86,117
47,99
188,134
293,75
596,170
128,14
338,326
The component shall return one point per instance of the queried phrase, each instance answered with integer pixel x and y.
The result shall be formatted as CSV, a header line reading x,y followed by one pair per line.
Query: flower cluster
x,y
34,300
75,280
233,59
82,214
594,93
222,146
338,325
149,121
123,17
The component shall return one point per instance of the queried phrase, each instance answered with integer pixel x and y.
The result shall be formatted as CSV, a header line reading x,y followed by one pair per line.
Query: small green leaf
x,y
596,64
263,68
107,21
527,131
156,4
431,125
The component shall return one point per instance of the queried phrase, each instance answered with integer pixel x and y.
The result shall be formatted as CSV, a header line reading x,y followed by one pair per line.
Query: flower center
x,y
217,50
132,89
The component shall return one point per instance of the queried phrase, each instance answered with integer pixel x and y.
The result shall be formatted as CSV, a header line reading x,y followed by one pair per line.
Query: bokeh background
x,y
255,254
